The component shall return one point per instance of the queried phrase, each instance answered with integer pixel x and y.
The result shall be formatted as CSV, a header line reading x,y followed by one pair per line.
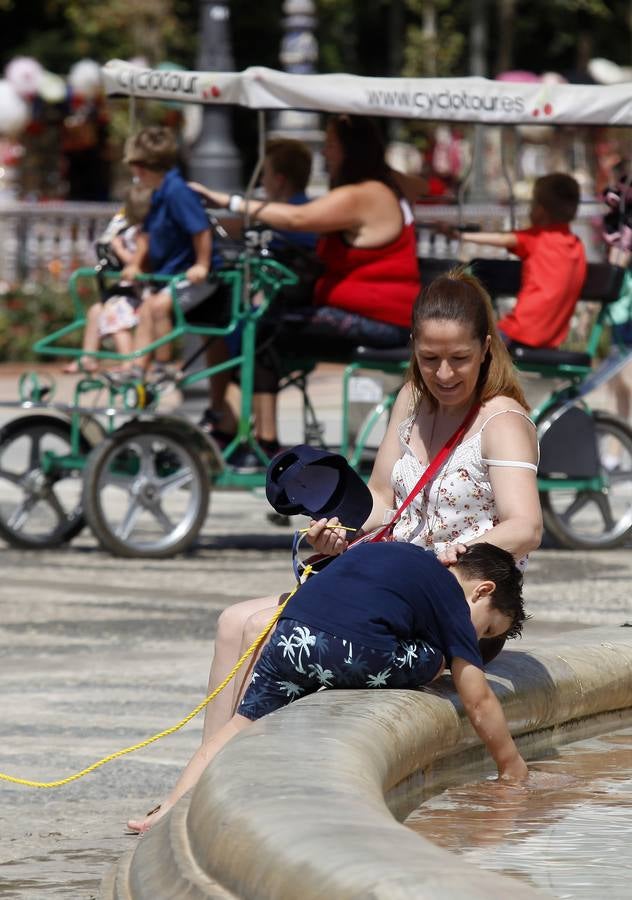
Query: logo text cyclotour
x,y
453,101
166,81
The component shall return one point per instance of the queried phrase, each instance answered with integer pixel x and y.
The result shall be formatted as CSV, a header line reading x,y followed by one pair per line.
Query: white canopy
x,y
436,99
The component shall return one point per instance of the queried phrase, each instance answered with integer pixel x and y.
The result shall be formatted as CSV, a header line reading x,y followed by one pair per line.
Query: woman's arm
x,y
511,437
342,209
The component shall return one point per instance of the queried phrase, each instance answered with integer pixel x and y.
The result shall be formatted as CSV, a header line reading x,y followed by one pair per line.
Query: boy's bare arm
x,y
506,239
203,246
488,720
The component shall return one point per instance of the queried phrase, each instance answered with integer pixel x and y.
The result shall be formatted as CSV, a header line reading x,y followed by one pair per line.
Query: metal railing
x,y
47,241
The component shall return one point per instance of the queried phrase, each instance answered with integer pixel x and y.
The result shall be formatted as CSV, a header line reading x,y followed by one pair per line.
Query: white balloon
x,y
24,74
85,78
604,71
14,112
53,88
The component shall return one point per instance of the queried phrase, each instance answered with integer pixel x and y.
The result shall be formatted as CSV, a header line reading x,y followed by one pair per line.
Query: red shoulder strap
x,y
429,473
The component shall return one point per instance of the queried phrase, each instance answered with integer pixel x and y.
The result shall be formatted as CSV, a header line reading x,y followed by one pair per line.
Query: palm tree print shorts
x,y
301,660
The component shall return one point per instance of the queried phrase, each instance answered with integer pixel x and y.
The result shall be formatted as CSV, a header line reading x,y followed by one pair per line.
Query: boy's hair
x,y
153,147
137,203
290,158
558,194
486,562
460,297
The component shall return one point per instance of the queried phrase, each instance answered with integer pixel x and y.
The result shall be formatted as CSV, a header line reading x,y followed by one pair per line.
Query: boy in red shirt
x,y
553,265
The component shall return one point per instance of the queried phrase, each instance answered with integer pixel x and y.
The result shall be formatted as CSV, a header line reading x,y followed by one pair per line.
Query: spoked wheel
x,y
40,502
146,492
594,520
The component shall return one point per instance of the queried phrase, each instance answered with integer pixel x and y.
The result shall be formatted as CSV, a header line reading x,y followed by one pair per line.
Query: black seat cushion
x,y
548,356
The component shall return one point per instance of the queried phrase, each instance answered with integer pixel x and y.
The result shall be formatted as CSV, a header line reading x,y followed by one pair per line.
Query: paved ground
x,y
98,653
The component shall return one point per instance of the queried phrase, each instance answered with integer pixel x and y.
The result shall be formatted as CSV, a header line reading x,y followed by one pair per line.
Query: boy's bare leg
x,y
191,774
228,643
161,308
154,321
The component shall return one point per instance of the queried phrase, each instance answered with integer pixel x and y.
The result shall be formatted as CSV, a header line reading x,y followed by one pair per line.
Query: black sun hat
x,y
314,482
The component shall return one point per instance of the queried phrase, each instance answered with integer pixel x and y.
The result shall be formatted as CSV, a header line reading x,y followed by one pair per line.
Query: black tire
x,y
591,520
146,492
38,510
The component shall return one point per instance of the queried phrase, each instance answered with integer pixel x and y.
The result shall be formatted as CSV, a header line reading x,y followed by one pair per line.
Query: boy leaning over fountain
x,y
385,615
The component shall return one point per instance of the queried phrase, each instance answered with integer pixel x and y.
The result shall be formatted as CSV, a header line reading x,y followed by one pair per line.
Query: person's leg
x,y
161,307
268,694
90,343
265,412
230,637
192,772
253,627
622,395
123,341
154,322
221,417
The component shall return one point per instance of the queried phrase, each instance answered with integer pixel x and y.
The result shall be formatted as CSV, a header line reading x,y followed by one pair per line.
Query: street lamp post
x,y
477,189
214,158
299,55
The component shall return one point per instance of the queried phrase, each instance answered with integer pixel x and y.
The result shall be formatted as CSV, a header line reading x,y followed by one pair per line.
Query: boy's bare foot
x,y
140,826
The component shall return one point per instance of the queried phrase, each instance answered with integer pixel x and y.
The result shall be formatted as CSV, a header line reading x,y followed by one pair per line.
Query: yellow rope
x,y
156,737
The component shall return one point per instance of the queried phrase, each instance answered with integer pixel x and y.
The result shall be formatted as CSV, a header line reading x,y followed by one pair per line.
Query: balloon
x,y
14,112
24,74
518,75
604,71
85,78
553,78
52,88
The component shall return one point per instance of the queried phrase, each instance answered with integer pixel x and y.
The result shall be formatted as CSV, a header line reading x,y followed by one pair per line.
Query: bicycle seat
x,y
603,282
548,356
501,277
431,267
381,355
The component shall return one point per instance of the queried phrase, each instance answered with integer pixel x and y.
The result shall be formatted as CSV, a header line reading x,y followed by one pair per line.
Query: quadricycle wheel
x,y
146,490
40,499
596,519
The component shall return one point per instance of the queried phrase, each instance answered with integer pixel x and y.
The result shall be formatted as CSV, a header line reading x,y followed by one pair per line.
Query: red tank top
x,y
377,282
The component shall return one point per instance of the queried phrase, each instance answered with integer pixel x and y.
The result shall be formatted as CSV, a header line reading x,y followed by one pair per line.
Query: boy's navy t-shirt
x,y
377,594
176,213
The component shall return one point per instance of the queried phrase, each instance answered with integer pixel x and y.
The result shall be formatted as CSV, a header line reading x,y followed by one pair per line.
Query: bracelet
x,y
234,203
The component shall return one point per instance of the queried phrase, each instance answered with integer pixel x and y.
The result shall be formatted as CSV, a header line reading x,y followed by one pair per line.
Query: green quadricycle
x,y
141,478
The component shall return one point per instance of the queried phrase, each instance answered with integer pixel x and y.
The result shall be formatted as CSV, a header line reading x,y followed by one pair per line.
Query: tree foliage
x,y
376,37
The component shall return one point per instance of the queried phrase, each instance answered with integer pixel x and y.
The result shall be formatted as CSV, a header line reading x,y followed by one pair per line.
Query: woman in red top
x,y
368,250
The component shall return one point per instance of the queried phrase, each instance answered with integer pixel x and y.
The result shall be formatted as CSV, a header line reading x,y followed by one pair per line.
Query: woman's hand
x,y
450,556
218,199
326,538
